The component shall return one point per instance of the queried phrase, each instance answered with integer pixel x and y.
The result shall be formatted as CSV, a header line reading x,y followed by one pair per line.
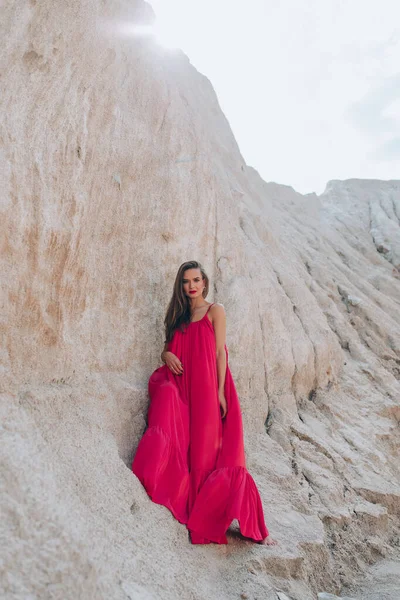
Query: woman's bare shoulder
x,y
217,310
217,306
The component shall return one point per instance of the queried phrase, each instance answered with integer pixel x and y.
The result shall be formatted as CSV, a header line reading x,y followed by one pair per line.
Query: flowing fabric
x,y
190,459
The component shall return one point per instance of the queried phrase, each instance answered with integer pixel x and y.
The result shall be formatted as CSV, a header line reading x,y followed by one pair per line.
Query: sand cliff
x,y
118,165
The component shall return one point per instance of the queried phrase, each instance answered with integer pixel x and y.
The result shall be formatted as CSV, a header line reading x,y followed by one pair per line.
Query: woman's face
x,y
193,283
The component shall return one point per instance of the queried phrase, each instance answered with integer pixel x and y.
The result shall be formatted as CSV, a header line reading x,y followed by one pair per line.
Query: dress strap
x,y
210,307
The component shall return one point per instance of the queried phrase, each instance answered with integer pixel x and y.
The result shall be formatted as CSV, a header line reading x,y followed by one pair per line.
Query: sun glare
x,y
162,34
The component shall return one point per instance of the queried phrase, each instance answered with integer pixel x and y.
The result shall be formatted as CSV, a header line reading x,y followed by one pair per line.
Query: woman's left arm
x,y
219,323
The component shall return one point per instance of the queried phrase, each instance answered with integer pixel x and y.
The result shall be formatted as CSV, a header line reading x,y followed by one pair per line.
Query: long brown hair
x,y
178,312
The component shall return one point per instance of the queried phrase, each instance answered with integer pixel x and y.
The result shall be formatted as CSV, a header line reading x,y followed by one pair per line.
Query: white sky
x,y
311,88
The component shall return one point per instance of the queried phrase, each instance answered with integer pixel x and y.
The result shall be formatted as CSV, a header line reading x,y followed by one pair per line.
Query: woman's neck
x,y
195,305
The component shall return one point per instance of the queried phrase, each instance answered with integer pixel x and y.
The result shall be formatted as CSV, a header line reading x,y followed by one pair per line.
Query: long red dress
x,y
190,459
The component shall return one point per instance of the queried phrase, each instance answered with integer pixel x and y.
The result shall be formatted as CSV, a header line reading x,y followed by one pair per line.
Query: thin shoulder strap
x,y
209,307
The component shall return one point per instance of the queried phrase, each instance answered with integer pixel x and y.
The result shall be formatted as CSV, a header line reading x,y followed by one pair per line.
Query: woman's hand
x,y
173,363
222,402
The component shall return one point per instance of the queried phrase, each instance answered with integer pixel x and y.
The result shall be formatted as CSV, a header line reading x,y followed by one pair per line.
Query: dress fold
x,y
160,468
228,493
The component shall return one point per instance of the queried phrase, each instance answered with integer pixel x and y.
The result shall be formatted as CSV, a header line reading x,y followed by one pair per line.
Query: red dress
x,y
190,459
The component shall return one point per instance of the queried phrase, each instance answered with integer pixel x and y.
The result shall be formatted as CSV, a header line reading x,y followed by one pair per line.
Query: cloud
x,y
370,114
390,150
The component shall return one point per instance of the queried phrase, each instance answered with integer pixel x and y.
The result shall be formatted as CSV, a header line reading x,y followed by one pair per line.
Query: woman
x,y
191,456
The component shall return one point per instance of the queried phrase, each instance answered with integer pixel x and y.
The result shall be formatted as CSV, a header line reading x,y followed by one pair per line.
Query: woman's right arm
x,y
164,351
172,361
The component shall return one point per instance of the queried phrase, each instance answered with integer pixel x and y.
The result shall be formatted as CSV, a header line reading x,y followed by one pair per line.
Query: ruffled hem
x,y
158,466
218,497
228,493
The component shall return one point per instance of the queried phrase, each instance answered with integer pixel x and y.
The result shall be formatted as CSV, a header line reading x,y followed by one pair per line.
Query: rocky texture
x,y
328,596
118,165
381,580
